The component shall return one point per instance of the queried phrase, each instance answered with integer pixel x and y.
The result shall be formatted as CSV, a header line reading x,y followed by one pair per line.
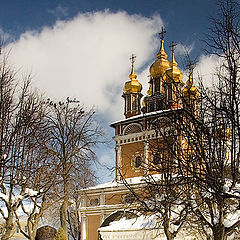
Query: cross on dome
x,y
132,59
162,33
172,46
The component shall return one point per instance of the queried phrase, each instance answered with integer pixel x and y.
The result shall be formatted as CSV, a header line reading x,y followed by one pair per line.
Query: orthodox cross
x,y
132,59
162,33
172,46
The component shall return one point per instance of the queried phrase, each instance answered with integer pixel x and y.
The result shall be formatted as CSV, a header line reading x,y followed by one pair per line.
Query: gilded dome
x,y
173,73
159,67
190,91
132,86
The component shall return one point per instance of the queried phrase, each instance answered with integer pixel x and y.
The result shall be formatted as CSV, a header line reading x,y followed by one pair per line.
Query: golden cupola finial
x,y
161,54
132,75
159,67
190,91
173,74
132,86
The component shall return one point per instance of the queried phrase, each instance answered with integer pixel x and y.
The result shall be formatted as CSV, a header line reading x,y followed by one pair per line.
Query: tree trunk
x,y
63,215
10,227
167,232
32,228
64,207
219,232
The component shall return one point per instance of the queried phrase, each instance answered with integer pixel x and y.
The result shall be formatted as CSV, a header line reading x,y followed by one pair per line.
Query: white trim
x,y
135,137
84,226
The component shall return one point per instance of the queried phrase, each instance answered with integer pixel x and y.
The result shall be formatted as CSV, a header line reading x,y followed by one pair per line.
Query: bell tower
x,y
156,100
132,93
191,94
146,139
173,83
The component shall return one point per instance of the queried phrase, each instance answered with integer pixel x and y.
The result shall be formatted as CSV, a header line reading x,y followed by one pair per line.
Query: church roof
x,y
114,184
159,112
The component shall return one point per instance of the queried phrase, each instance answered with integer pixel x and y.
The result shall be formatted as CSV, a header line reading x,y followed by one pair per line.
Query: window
x,y
25,229
132,128
94,202
157,158
128,100
128,199
151,106
134,103
157,85
169,93
138,161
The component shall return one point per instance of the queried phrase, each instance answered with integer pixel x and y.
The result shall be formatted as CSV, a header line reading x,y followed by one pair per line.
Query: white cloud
x,y
206,69
88,57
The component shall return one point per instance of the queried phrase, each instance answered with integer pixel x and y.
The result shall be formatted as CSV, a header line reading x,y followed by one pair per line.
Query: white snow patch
x,y
141,222
31,192
232,218
4,197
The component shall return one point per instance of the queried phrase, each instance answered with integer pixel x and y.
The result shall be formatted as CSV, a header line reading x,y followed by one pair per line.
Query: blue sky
x,y
82,48
185,20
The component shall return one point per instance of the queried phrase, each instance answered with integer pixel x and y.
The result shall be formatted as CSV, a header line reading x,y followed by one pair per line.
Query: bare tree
x,y
210,153
163,190
213,139
22,129
74,135
206,158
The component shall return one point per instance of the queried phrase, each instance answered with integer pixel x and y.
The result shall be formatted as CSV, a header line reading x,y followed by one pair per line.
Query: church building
x,y
139,147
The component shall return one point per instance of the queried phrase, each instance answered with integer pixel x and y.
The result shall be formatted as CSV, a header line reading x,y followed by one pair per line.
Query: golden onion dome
x,y
159,67
190,91
132,86
173,74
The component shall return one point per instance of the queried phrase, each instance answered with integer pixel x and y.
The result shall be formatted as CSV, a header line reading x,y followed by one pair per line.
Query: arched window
x,y
137,161
132,128
157,85
94,202
134,99
157,158
169,93
128,103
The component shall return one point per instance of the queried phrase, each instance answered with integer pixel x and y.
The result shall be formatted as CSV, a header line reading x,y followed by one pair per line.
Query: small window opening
x,y
138,161
156,158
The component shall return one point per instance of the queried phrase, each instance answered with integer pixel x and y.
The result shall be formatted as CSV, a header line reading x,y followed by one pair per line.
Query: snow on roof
x,y
141,222
131,181
105,185
144,115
